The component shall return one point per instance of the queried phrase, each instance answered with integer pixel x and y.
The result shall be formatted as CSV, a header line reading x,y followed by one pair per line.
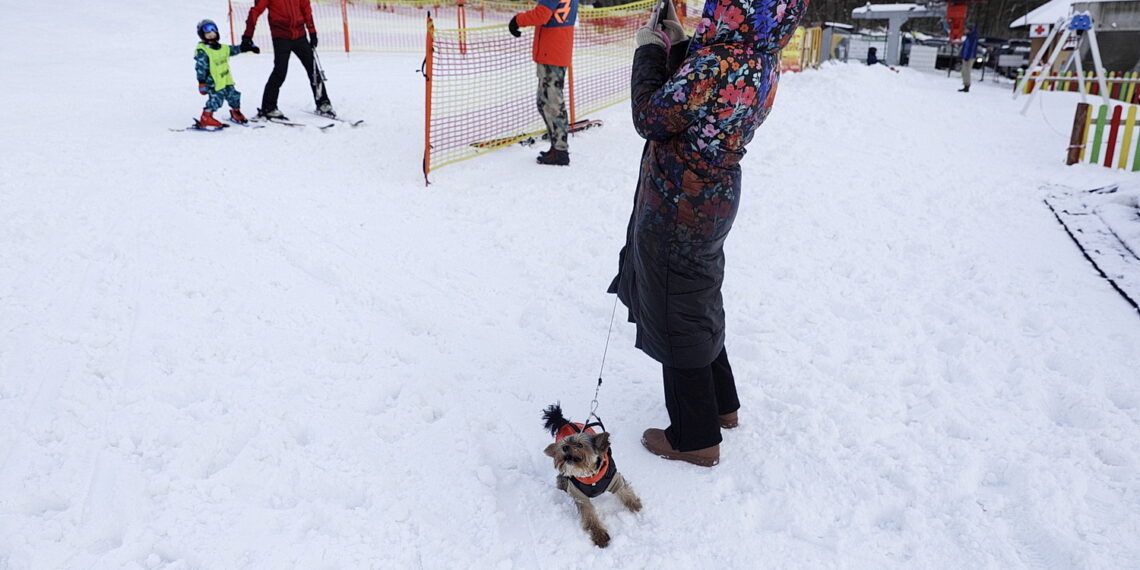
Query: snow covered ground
x,y
275,348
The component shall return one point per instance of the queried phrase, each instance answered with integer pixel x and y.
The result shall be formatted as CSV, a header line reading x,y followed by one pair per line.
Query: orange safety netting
x,y
481,92
390,25
362,25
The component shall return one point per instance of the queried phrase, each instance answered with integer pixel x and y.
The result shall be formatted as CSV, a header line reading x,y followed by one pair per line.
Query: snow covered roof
x,y
891,11
1050,12
872,8
1047,13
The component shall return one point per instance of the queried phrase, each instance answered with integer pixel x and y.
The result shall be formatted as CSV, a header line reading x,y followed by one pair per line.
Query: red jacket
x,y
553,22
288,19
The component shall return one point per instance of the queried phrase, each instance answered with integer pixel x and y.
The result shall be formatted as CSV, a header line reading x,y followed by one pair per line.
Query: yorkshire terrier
x,y
586,469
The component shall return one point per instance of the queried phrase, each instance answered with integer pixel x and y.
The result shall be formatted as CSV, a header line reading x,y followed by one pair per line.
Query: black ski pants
x,y
694,398
282,49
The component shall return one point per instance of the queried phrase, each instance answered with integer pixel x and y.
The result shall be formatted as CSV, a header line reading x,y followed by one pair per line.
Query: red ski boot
x,y
237,117
208,120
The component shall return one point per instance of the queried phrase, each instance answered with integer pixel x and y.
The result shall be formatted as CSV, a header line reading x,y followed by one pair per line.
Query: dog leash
x,y
601,369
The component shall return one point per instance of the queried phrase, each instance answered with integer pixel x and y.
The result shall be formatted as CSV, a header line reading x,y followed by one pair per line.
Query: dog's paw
x,y
634,505
600,538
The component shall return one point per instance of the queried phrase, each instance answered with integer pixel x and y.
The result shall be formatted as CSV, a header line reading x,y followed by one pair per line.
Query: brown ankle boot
x,y
728,421
655,441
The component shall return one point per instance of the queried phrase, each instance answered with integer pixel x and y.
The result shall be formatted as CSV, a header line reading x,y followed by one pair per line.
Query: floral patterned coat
x,y
697,119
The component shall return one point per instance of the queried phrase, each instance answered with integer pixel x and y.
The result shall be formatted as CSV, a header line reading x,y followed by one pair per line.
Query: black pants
x,y
282,49
694,398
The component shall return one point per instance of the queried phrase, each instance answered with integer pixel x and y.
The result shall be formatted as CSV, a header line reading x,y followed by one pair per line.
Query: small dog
x,y
586,469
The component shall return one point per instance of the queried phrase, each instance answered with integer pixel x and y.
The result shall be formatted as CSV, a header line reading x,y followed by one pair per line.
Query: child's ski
x,y
197,126
349,122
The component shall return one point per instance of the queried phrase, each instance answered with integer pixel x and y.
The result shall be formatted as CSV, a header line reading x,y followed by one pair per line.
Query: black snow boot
x,y
272,114
554,157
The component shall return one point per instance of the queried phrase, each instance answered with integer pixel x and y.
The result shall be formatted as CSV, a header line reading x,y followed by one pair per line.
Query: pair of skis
x,y
197,126
258,123
288,123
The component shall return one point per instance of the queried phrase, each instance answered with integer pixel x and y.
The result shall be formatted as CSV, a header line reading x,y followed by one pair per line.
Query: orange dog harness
x,y
597,483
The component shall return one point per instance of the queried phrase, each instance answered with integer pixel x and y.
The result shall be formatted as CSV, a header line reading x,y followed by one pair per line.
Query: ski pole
x,y
320,68
318,77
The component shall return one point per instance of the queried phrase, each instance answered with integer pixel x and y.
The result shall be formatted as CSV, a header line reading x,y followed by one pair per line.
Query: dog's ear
x,y
602,442
551,449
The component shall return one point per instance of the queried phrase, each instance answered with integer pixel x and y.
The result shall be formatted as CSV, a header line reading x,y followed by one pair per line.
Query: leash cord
x,y
601,369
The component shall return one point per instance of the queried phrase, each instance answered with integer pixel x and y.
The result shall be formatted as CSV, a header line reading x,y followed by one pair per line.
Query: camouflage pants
x,y
551,105
214,99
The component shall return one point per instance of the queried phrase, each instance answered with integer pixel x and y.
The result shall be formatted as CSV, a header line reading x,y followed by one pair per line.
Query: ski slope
x,y
276,348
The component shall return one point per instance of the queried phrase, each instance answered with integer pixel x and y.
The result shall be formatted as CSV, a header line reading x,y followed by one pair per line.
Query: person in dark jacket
x,y
288,22
968,54
697,104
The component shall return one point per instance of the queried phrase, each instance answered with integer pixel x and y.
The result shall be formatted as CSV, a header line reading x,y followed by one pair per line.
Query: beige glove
x,y
646,35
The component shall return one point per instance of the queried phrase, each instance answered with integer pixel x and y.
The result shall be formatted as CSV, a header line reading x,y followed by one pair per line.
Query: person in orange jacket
x,y
288,22
553,22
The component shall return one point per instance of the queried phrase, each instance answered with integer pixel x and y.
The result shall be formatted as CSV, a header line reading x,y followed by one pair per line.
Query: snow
x,y
275,348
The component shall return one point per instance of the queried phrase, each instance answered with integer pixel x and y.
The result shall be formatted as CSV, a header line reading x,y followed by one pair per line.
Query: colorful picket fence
x,y
1109,138
1122,86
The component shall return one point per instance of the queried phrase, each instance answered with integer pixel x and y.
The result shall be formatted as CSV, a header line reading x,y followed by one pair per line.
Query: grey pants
x,y
967,67
551,105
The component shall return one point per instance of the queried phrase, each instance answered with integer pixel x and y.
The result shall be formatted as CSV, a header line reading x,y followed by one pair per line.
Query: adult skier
x,y
288,22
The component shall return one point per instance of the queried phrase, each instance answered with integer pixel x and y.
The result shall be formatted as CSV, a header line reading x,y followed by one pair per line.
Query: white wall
x,y
923,57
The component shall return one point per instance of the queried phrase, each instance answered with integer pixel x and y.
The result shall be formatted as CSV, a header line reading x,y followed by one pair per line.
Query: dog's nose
x,y
569,459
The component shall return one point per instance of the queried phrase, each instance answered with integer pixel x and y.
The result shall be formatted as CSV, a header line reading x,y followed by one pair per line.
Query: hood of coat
x,y
765,25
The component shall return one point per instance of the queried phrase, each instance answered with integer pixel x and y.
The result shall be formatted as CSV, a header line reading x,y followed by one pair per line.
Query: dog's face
x,y
579,455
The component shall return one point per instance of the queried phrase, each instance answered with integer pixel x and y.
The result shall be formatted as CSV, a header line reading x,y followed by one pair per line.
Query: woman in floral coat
x,y
697,117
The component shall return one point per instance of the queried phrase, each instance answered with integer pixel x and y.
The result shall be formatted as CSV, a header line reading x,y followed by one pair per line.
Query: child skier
x,y
212,62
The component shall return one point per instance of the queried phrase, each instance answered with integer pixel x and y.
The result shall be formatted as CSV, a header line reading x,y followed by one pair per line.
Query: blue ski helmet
x,y
207,26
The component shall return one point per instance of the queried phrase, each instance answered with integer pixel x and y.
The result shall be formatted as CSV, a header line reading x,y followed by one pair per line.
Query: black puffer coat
x,y
696,116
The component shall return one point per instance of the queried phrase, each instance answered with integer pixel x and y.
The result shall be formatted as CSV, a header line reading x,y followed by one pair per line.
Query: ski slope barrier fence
x,y
368,25
1111,137
398,25
481,83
